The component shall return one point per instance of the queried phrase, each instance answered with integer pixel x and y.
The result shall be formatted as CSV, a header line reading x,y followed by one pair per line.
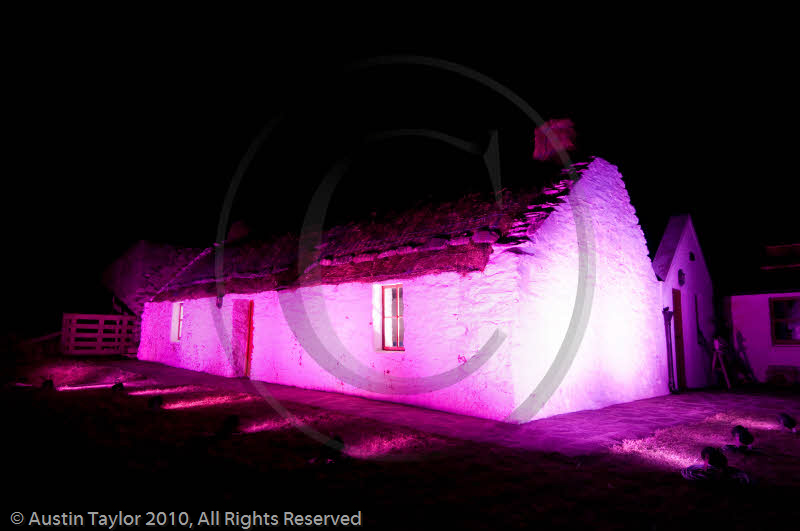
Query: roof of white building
x,y
453,236
669,244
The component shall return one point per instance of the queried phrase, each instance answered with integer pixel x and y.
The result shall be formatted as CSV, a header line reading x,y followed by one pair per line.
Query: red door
x,y
249,352
680,363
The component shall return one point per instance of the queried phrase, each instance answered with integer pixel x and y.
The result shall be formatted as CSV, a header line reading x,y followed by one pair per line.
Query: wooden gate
x,y
84,333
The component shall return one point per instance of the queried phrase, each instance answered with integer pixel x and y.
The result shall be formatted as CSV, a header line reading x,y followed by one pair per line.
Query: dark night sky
x,y
127,135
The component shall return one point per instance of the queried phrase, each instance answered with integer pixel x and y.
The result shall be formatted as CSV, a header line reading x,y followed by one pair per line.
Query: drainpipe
x,y
668,328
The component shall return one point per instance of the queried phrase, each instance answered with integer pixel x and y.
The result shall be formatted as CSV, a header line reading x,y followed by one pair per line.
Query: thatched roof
x,y
454,236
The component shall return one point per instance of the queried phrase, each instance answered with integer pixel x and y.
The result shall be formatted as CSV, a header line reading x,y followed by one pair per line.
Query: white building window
x,y
392,317
784,315
176,332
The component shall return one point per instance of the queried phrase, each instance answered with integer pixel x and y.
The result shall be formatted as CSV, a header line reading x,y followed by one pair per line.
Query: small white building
x,y
687,299
765,319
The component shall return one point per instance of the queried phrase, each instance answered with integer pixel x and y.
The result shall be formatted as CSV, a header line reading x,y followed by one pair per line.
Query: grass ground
x,y
96,449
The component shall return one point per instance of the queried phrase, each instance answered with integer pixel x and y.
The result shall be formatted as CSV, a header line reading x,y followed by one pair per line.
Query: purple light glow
x,y
751,423
167,390
662,455
712,439
213,400
679,446
382,445
276,424
83,387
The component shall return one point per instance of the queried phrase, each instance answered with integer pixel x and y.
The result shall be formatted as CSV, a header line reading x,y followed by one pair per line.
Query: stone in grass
x,y
742,435
117,386
787,421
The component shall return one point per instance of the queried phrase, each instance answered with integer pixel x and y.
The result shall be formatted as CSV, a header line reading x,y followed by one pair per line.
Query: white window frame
x,y
176,329
378,322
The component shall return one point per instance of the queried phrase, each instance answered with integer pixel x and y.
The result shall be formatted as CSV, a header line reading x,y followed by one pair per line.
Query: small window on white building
x,y
176,332
784,316
392,317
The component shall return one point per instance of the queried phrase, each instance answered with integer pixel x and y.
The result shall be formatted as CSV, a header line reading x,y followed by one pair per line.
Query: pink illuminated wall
x,y
528,296
751,324
623,355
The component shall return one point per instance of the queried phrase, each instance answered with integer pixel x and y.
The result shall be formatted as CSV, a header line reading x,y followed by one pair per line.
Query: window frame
x,y
773,320
396,318
176,330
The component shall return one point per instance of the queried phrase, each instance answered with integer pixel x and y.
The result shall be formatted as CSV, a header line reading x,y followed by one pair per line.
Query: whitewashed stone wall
x,y
206,338
622,356
527,295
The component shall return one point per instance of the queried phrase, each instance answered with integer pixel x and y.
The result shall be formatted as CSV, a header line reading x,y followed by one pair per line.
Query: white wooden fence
x,y
84,333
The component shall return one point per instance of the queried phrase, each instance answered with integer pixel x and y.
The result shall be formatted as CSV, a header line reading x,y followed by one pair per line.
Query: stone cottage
x,y
534,304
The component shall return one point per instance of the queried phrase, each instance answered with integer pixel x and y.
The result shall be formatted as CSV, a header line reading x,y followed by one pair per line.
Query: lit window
x,y
784,316
180,320
392,297
177,322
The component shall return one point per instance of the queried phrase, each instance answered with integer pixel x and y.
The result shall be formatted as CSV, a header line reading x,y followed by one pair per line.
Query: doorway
x,y
248,357
680,356
242,336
